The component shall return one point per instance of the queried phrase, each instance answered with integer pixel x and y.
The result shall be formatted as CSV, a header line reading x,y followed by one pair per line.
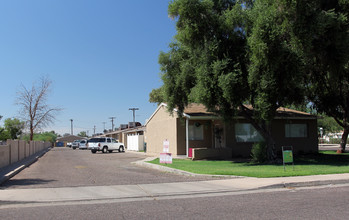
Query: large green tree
x,y
322,28
266,53
228,53
49,136
83,134
14,127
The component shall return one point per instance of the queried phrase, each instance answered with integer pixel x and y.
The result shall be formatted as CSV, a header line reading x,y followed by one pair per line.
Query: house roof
x,y
127,130
199,111
195,109
136,129
69,138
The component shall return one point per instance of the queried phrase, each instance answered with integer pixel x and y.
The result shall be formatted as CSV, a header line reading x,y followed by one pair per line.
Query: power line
x,y
134,116
71,124
112,122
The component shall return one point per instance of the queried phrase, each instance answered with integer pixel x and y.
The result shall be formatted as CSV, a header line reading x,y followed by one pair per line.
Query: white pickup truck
x,y
104,144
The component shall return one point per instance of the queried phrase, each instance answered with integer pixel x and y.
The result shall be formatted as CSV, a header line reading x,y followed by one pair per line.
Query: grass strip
x,y
326,162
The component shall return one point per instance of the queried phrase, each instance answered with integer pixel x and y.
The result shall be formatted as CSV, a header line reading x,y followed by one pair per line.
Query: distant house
x,y
201,134
67,139
133,138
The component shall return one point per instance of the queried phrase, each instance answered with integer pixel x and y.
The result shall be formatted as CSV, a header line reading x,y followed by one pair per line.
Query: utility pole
x,y
71,124
94,130
134,116
104,126
112,122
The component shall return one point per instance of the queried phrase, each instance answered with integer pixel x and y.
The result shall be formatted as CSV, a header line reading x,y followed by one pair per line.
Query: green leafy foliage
x,y
322,28
83,134
275,69
4,135
329,125
259,152
13,128
267,53
157,96
45,136
206,62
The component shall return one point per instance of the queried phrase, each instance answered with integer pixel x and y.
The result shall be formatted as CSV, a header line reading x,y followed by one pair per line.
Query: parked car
x,y
105,144
69,144
83,144
75,144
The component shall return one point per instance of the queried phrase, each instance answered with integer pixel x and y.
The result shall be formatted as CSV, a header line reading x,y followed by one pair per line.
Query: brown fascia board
x,y
139,128
199,112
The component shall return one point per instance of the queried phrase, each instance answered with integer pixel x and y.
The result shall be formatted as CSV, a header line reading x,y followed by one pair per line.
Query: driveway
x,y
65,167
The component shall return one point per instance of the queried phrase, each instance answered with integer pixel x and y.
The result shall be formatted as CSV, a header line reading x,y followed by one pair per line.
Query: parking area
x,y
65,167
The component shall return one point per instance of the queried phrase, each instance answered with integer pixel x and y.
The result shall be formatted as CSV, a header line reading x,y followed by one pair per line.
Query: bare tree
x,y
34,108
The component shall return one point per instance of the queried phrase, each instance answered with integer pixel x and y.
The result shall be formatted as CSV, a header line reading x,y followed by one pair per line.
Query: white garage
x,y
135,139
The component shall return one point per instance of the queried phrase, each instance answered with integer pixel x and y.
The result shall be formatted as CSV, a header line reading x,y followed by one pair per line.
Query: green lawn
x,y
326,162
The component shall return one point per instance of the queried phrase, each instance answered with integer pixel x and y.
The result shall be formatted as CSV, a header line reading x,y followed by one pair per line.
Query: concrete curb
x,y
144,163
11,170
306,184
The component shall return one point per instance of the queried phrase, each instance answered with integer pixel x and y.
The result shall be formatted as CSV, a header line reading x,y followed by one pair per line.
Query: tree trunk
x,y
265,131
271,156
31,132
344,140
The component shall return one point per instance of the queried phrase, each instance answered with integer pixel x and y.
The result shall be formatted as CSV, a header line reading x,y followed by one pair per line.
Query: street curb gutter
x,y
307,184
11,170
144,163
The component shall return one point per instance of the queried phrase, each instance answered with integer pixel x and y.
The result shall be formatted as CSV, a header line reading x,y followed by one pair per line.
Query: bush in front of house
x,y
259,152
336,141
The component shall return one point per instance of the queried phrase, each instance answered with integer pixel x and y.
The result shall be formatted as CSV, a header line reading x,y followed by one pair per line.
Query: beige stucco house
x,y
200,134
132,138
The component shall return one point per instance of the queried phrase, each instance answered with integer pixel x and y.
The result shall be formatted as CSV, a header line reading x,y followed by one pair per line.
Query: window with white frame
x,y
296,130
196,132
245,132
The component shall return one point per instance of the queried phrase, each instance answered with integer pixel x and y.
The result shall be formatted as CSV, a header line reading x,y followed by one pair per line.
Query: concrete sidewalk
x,y
151,191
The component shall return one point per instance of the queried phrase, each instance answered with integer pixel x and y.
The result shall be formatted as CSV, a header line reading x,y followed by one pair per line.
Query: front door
x,y
219,136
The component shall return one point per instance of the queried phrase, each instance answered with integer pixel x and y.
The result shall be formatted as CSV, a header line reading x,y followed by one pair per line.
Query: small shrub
x,y
259,152
336,141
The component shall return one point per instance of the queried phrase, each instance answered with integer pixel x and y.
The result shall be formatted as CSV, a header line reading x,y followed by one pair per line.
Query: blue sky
x,y
102,56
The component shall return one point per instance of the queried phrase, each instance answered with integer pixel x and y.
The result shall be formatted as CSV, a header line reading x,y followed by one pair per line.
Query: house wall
x,y
181,134
161,126
211,153
308,144
123,139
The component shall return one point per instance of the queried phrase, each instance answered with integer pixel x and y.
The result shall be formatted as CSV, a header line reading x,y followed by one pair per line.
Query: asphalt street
x,y
328,202
75,184
65,167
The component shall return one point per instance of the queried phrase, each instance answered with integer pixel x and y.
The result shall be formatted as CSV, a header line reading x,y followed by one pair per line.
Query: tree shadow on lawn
x,y
310,159
323,159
